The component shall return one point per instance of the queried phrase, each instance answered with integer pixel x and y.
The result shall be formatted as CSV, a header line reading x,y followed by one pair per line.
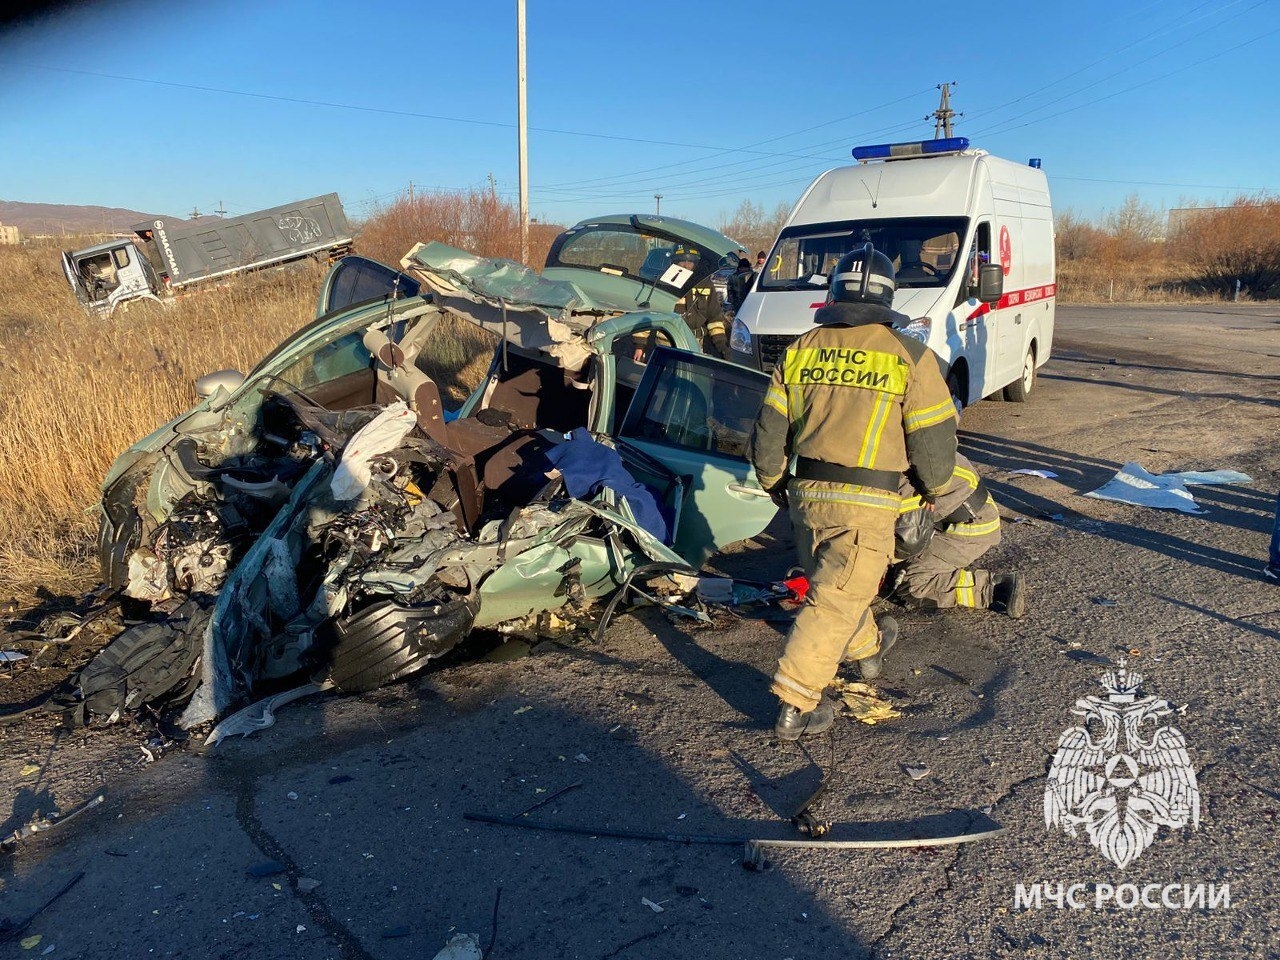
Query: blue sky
x,y
137,104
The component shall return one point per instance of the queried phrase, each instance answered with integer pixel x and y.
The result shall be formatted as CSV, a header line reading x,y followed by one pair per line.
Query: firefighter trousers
x,y
943,573
844,549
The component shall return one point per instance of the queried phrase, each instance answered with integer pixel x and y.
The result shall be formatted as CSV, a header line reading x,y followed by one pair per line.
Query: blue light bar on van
x,y
918,148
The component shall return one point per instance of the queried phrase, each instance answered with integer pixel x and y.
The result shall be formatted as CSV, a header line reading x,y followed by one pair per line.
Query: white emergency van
x,y
970,236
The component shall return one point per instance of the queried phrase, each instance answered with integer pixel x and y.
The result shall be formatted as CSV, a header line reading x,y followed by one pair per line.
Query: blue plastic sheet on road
x,y
1164,491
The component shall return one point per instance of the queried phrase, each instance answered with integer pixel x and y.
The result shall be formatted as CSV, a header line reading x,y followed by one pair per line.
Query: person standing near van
x,y
702,309
857,404
739,284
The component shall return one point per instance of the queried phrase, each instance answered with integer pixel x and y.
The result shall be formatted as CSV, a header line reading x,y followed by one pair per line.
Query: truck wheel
x,y
1020,390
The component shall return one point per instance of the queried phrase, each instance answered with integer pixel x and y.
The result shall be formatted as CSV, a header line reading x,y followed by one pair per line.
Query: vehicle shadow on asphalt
x,y
1130,364
1161,391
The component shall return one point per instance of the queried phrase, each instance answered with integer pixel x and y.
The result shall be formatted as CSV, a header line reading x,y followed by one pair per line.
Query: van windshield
x,y
925,251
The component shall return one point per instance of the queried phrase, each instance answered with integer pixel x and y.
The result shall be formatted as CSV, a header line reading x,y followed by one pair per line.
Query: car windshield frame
x,y
624,263
824,243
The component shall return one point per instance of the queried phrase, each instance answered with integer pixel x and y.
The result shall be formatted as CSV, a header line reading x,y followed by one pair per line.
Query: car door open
x,y
694,414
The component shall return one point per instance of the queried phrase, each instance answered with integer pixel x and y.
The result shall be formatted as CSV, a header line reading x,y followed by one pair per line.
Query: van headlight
x,y
919,329
740,337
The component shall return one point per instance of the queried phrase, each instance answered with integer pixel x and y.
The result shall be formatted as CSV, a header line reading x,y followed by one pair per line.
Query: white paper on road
x,y
1164,491
1047,474
384,432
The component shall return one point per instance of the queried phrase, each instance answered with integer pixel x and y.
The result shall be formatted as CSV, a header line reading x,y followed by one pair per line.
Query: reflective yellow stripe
x,y
927,417
846,493
974,529
875,429
846,367
715,326
968,476
776,397
911,503
964,588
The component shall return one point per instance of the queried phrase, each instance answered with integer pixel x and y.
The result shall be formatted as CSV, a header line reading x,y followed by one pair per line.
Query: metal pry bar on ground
x,y
754,843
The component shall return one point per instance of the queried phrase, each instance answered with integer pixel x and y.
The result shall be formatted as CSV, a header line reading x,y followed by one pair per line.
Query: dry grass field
x,y
75,391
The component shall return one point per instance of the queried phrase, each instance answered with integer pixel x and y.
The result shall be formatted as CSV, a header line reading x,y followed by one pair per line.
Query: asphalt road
x,y
664,729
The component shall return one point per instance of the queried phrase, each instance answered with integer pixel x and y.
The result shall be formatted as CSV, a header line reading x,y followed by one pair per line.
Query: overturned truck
x,y
329,517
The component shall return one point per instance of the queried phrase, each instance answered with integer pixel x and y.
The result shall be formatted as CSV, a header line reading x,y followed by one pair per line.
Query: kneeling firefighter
x,y
935,550
855,403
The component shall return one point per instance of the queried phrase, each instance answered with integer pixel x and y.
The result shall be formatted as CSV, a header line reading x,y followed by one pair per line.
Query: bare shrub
x,y
1237,242
752,227
477,221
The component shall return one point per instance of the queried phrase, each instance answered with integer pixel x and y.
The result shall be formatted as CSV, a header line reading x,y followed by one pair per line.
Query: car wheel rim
x,y
1028,371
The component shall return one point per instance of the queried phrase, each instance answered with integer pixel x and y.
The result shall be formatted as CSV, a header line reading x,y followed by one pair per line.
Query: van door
x,y
971,329
694,414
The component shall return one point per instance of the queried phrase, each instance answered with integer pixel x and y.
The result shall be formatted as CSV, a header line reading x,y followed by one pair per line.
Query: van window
x,y
924,250
979,253
121,257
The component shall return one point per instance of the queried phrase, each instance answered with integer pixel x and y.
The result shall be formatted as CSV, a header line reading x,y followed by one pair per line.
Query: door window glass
x,y
696,403
339,358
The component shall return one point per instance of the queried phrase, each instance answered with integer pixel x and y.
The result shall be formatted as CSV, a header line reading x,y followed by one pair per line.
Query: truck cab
x,y
108,274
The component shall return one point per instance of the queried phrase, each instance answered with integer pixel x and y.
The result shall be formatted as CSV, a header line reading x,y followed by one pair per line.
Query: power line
x,y
387,111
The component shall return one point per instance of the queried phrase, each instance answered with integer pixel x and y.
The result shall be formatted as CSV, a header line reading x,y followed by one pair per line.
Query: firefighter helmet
x,y
863,276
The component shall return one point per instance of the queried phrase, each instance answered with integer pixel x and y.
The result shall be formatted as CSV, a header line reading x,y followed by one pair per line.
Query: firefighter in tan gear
x,y
855,404
702,310
936,550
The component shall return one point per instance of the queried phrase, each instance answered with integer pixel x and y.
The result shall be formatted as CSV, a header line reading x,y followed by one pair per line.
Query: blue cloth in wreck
x,y
587,465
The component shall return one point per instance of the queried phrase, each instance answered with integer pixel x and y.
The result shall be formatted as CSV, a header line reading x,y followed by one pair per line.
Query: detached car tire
x,y
387,641
1020,390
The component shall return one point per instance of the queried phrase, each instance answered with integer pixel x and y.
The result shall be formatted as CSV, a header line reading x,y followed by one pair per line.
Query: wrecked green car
x,y
330,518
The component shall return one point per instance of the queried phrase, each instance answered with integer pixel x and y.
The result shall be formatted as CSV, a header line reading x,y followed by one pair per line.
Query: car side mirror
x,y
990,282
208,385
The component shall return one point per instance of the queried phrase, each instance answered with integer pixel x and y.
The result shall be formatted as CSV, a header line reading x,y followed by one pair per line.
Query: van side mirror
x,y
990,282
208,385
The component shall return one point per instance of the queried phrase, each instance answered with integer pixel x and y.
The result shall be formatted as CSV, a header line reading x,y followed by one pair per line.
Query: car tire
x,y
387,641
1020,390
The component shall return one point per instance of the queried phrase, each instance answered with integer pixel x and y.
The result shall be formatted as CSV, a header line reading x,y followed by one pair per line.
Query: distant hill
x,y
34,219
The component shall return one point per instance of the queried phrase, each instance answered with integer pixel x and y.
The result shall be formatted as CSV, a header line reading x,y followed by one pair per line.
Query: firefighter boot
x,y
871,666
1009,593
792,724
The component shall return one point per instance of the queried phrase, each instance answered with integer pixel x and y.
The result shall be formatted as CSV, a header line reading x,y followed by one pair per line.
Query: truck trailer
x,y
165,257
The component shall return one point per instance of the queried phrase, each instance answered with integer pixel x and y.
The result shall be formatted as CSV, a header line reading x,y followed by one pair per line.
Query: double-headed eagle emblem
x,y
1120,775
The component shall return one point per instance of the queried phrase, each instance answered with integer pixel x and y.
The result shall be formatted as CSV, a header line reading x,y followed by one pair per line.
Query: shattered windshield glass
x,y
924,251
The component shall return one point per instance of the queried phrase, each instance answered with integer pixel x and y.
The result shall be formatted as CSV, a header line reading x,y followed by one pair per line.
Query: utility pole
x,y
493,187
943,116
657,199
523,123
221,211
195,213
411,193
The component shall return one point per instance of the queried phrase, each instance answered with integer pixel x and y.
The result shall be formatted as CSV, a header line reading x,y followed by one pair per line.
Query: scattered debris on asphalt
x,y
915,772
865,702
1027,472
1162,491
45,824
461,946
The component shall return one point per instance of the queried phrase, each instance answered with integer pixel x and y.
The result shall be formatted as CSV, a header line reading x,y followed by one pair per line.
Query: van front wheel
x,y
1020,390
